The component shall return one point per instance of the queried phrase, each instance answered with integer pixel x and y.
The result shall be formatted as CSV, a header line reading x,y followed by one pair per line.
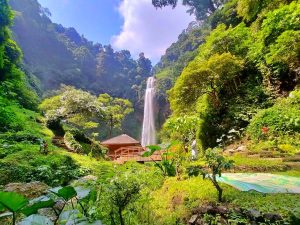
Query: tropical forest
x,y
149,112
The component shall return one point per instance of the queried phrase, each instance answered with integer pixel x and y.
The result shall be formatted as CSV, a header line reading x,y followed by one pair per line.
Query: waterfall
x,y
148,133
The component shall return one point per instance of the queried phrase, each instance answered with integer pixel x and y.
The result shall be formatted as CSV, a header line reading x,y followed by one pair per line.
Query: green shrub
x,y
281,119
8,117
28,164
278,120
287,148
96,150
7,149
126,193
22,136
10,172
61,175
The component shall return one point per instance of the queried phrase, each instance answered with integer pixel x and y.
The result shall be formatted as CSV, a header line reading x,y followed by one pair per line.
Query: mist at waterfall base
x,y
148,131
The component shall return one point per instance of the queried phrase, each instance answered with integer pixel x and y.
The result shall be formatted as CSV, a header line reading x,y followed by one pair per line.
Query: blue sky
x,y
98,20
134,25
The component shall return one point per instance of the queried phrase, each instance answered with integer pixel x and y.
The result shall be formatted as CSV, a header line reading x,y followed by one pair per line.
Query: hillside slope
x,y
55,55
62,56
242,63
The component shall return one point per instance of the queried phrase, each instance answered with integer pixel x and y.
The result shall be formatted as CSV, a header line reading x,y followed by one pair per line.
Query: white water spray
x,y
149,133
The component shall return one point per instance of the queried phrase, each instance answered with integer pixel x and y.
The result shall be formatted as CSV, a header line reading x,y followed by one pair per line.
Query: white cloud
x,y
149,30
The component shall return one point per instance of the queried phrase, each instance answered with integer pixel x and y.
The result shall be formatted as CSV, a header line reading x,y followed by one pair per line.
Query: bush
x,y
8,118
97,150
10,172
281,119
7,149
27,164
276,120
20,137
61,175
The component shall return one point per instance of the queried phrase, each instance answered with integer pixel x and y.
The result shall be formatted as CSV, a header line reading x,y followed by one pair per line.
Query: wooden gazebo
x,y
122,145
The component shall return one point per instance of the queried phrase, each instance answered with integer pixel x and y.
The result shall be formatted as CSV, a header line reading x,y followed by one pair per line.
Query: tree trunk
x,y
112,218
220,193
121,217
235,84
110,126
219,189
215,98
14,218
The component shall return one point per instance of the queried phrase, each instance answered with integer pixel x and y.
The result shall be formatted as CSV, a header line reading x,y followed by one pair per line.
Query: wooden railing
x,y
134,153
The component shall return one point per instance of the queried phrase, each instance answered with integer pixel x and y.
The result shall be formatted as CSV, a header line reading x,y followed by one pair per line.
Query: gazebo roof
x,y
119,140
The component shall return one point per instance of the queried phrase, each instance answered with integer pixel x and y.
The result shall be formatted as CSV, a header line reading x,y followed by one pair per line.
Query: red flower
x,y
264,130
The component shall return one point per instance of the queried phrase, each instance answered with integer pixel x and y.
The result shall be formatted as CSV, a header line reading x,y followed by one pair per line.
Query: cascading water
x,y
149,133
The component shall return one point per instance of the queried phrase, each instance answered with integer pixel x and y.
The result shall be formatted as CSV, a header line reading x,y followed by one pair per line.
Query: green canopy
x,y
262,182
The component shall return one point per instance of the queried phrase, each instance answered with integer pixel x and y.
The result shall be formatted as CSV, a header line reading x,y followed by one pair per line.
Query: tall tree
x,y
219,72
144,66
116,109
13,81
76,107
5,21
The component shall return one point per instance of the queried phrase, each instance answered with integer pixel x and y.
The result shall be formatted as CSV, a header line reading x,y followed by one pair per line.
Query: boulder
x,y
84,180
29,190
193,219
241,148
59,205
48,212
254,215
199,222
272,217
222,210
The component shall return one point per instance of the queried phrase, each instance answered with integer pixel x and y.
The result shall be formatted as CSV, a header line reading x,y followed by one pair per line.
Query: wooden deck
x,y
133,153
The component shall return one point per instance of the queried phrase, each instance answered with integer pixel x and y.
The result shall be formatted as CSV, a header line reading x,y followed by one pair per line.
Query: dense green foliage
x,y
22,130
70,58
279,125
239,69
84,111
115,110
65,57
14,85
232,81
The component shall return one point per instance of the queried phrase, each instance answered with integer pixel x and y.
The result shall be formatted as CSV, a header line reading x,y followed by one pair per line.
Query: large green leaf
x,y
66,192
36,220
36,204
12,201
